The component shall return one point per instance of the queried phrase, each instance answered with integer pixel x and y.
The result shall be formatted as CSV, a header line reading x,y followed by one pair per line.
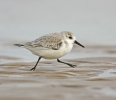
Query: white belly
x,y
51,54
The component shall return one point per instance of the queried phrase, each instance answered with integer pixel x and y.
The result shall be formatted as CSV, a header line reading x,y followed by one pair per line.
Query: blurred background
x,y
93,21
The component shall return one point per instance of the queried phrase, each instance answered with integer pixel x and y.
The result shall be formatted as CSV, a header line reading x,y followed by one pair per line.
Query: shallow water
x,y
94,77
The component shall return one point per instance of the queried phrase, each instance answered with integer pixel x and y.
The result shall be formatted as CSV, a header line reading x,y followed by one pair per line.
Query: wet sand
x,y
94,78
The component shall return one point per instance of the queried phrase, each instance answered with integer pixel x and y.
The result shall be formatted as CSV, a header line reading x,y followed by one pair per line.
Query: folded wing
x,y
48,41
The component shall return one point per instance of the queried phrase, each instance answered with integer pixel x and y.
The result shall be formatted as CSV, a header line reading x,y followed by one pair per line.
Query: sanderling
x,y
52,46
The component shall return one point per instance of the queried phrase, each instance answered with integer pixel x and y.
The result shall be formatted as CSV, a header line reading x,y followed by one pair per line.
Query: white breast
x,y
67,47
52,54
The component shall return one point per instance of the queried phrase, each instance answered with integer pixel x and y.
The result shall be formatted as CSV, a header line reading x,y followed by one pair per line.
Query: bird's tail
x,y
19,45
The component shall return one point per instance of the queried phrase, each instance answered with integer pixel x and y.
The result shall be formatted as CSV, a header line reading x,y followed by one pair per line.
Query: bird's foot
x,y
32,69
71,65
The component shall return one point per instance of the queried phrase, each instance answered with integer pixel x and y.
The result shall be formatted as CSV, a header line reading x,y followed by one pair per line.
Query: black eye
x,y
70,37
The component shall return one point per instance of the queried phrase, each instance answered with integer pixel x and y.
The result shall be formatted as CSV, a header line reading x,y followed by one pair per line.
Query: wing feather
x,y
50,41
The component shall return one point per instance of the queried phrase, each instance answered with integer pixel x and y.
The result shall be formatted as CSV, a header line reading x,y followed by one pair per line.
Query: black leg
x,y
66,63
36,64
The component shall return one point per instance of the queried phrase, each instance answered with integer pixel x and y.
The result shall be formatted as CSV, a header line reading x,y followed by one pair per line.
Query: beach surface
x,y
94,78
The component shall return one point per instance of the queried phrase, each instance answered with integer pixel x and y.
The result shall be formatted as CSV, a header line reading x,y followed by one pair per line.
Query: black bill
x,y
78,44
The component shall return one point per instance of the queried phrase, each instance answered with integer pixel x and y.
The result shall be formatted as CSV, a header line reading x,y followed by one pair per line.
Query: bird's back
x,y
50,41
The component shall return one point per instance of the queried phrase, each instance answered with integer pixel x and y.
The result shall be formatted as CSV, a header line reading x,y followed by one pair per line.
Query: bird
x,y
52,46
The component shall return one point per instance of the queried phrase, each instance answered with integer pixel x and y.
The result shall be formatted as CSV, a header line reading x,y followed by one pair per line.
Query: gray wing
x,y
48,41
